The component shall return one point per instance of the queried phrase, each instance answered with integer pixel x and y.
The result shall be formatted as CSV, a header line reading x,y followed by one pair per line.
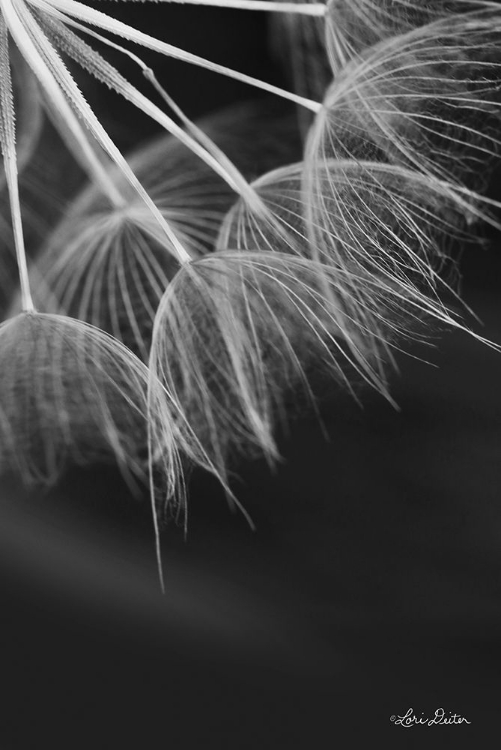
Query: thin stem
x,y
200,144
8,146
10,166
195,139
103,21
305,9
76,137
48,66
228,170
158,543
78,143
153,505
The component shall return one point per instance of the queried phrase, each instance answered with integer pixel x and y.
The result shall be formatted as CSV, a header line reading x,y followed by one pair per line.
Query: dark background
x,y
372,582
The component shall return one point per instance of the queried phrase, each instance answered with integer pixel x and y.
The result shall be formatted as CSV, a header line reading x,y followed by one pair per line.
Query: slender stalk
x,y
113,25
156,525
8,145
78,143
228,170
75,136
194,138
23,28
305,9
10,166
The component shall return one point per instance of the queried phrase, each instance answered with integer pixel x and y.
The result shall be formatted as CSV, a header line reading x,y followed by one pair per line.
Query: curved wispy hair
x,y
235,332
352,26
109,265
69,394
386,232
282,229
427,100
316,48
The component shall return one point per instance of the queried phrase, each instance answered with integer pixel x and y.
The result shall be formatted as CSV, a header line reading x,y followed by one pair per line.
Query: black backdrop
x,y
372,582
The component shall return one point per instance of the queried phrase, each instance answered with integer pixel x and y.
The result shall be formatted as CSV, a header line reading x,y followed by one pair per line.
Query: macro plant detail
x,y
195,287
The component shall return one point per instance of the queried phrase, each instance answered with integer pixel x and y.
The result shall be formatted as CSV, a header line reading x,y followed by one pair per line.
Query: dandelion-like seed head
x,y
69,394
330,263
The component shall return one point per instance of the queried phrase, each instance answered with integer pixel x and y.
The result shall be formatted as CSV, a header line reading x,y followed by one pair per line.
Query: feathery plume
x,y
69,394
109,266
352,26
428,100
234,333
317,48
382,229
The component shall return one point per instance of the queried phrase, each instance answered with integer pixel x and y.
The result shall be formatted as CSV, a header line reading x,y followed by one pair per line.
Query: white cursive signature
x,y
409,719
